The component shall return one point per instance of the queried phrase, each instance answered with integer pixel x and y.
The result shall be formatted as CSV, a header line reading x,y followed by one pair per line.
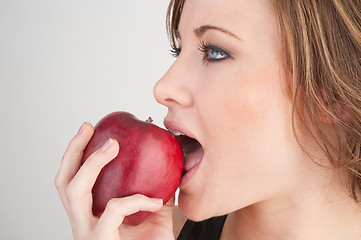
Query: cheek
x,y
246,124
248,137
244,105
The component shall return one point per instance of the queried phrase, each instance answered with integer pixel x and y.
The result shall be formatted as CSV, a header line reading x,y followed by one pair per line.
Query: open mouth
x,y
193,152
192,149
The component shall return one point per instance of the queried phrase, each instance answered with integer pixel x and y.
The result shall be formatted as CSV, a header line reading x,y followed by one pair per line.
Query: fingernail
x,y
81,128
107,144
157,200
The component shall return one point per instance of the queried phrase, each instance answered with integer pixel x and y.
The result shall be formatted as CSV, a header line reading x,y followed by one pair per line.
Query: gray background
x,y
61,63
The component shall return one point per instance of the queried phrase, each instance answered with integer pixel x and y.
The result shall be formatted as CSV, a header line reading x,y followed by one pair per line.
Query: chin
x,y
195,210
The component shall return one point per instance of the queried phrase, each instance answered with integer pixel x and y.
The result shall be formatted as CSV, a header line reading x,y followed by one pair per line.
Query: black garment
x,y
209,229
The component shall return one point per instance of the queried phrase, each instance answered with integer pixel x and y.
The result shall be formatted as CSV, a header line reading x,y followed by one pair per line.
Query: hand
x,y
75,183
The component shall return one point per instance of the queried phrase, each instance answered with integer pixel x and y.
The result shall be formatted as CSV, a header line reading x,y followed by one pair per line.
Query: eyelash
x,y
204,48
174,51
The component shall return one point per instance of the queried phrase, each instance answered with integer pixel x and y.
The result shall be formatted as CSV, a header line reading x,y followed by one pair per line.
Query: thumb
x,y
167,210
171,202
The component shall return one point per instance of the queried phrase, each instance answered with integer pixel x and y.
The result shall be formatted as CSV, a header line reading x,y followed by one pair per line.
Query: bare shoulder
x,y
178,221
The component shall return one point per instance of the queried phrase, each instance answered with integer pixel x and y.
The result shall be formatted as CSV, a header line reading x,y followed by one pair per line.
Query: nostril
x,y
169,100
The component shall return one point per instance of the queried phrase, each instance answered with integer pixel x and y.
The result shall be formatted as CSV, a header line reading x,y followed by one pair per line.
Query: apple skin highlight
x,y
150,162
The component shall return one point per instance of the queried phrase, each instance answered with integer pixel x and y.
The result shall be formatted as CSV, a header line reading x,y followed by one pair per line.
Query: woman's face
x,y
225,89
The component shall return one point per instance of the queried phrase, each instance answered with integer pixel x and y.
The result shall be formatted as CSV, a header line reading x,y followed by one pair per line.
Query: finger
x,y
85,178
118,208
72,157
168,207
167,211
78,191
171,202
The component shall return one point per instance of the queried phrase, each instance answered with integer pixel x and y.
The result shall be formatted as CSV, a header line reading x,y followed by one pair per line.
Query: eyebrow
x,y
202,29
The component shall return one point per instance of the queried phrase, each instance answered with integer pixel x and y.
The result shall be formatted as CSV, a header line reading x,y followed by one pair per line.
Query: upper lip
x,y
174,126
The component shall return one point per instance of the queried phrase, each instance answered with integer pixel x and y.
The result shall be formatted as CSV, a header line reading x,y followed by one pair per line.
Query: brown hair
x,y
321,53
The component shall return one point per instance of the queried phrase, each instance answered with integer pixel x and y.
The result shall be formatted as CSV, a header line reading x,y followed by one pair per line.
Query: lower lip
x,y
189,175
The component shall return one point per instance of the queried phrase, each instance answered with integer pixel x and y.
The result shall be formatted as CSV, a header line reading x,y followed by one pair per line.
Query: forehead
x,y
234,15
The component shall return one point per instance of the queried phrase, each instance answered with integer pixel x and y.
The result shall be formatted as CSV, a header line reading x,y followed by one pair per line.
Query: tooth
x,y
175,132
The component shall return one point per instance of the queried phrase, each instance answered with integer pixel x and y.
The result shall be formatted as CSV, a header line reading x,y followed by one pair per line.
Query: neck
x,y
308,213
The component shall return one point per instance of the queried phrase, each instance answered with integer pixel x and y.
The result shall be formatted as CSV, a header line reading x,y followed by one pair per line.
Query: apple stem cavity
x,y
149,120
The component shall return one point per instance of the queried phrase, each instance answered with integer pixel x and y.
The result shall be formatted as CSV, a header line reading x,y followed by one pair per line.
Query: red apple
x,y
149,162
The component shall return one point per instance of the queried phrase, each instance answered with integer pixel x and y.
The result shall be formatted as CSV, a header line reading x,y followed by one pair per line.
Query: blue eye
x,y
213,53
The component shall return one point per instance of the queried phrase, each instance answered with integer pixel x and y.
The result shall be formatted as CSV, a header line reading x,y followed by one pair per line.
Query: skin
x,y
252,169
238,110
74,184
235,108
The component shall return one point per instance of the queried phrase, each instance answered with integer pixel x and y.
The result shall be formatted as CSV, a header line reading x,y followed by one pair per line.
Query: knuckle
x,y
114,205
140,197
71,192
58,182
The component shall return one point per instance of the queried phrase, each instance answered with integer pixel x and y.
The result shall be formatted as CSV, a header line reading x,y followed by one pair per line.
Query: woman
x,y
271,91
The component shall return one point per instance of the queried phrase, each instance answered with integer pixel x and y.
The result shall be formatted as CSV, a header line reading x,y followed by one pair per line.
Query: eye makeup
x,y
211,53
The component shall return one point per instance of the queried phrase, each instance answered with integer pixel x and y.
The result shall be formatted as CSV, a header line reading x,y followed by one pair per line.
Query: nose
x,y
174,88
